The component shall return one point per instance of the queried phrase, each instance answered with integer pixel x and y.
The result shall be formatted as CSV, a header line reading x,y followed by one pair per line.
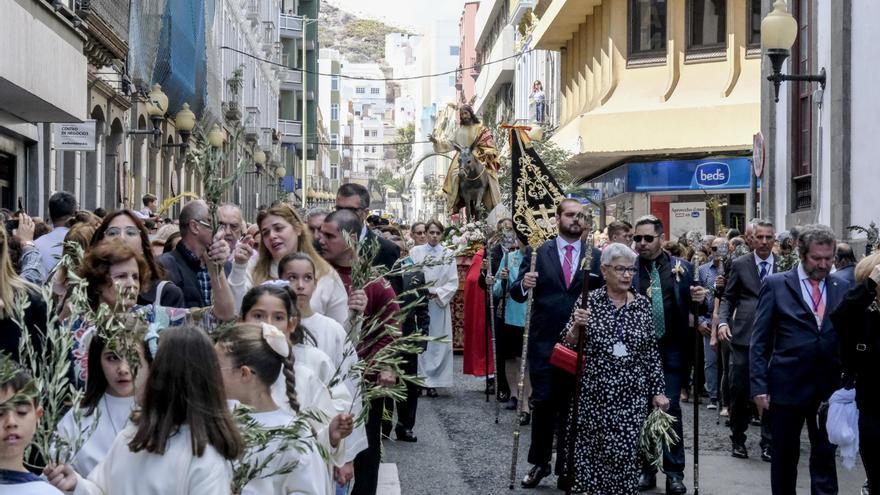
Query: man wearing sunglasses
x,y
666,281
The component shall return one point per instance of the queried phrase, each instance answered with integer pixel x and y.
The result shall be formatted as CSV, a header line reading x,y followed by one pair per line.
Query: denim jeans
x,y
710,369
539,111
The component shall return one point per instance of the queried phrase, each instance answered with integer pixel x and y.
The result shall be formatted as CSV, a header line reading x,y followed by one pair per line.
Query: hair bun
x,y
276,340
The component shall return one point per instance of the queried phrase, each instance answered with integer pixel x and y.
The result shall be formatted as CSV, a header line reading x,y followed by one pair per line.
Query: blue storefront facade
x,y
697,194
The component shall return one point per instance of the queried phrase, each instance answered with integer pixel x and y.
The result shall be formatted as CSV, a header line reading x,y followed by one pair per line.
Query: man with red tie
x,y
795,362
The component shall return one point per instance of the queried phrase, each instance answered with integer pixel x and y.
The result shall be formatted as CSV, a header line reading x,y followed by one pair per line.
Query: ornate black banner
x,y
535,192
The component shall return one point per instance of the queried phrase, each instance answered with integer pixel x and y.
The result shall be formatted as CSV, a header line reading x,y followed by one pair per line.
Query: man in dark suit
x,y
795,362
735,317
356,198
666,281
557,282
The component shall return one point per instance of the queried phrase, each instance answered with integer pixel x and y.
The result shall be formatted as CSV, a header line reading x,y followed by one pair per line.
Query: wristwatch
x,y
28,244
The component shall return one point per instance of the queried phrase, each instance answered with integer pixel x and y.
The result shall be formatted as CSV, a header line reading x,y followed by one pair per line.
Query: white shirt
x,y
807,289
30,488
50,246
176,472
113,413
769,260
309,477
575,253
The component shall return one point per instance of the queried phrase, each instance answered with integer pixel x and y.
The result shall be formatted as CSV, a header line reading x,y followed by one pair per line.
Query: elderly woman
x,y
622,375
857,320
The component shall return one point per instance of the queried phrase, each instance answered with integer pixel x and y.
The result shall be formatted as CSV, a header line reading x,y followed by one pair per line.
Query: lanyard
x,y
621,316
814,302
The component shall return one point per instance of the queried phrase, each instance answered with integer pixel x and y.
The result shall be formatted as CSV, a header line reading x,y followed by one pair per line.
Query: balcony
x,y
270,36
291,131
291,26
560,21
291,79
252,123
493,76
252,12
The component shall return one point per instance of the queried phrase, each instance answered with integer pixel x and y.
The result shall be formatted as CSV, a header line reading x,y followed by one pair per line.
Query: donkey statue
x,y
472,181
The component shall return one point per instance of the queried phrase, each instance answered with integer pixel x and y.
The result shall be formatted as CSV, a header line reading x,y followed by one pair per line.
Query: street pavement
x,y
461,451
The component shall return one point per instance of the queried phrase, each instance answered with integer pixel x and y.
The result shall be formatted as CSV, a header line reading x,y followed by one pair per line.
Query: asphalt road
x,y
462,451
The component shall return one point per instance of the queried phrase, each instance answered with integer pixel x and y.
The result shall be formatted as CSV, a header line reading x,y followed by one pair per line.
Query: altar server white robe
x,y
309,477
113,414
176,472
436,364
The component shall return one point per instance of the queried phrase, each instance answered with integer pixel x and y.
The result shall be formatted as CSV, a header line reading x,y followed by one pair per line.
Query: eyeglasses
x,y
204,223
623,270
647,238
117,231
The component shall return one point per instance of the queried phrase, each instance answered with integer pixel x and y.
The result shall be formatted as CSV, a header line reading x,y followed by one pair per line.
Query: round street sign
x,y
758,153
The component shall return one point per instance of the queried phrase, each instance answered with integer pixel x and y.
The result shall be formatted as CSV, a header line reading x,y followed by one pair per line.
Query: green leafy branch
x,y
657,434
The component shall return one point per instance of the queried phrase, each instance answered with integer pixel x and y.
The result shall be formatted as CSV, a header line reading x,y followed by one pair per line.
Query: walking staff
x,y
491,318
522,373
698,362
579,370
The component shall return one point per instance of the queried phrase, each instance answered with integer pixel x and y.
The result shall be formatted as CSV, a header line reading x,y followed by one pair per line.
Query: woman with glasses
x,y
126,226
622,375
282,232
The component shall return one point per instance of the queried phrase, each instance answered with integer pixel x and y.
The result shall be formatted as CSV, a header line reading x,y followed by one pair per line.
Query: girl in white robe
x,y
283,232
251,356
435,364
109,397
313,371
182,439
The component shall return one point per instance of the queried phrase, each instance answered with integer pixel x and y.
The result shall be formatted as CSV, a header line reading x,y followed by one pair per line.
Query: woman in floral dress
x,y
622,376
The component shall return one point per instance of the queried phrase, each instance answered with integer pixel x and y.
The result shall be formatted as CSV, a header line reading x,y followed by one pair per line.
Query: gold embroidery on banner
x,y
535,221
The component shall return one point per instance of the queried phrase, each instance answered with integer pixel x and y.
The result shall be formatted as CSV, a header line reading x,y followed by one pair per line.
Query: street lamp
x,y
778,33
184,122
157,106
216,136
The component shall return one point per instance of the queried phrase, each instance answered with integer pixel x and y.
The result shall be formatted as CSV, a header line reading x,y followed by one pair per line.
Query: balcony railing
x,y
291,78
291,26
290,130
252,11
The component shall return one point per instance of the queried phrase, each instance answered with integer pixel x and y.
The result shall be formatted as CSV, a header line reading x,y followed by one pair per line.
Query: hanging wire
x,y
361,78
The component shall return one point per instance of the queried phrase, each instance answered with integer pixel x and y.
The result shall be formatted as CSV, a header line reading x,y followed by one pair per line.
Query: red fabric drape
x,y
475,330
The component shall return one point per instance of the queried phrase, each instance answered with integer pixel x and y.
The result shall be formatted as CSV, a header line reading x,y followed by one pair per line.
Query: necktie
x,y
566,265
764,270
818,304
656,294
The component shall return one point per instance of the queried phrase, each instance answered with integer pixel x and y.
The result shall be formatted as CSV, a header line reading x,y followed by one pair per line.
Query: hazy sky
x,y
414,14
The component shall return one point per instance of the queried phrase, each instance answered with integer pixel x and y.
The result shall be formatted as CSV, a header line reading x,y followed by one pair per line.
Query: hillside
x,y
359,40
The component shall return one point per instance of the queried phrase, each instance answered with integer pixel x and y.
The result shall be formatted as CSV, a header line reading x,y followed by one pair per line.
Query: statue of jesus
x,y
470,133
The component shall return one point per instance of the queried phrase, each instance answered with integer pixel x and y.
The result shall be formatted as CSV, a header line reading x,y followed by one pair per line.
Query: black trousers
x,y
550,420
406,409
724,374
869,445
786,424
741,400
366,464
502,387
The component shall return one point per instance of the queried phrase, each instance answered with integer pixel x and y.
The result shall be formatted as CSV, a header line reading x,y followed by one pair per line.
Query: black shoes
x,y
536,474
511,406
525,418
502,396
431,392
647,481
739,451
405,435
675,486
490,387
765,454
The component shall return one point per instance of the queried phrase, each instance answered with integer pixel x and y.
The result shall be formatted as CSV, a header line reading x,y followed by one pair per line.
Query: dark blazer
x,y
858,327
388,251
552,305
677,344
182,273
740,298
791,358
847,273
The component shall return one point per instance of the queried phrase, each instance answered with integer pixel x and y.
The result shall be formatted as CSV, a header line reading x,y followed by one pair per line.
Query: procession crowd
x,y
275,315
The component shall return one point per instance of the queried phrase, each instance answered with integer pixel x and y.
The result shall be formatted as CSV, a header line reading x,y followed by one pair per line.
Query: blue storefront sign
x,y
673,175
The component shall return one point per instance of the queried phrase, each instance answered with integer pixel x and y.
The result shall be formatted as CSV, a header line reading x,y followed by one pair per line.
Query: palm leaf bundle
x,y
657,434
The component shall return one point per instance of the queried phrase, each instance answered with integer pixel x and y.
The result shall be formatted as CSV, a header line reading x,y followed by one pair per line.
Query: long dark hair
x,y
184,387
97,383
156,271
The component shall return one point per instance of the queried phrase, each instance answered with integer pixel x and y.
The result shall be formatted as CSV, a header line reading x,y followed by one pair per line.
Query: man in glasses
x,y
356,198
187,266
419,234
666,281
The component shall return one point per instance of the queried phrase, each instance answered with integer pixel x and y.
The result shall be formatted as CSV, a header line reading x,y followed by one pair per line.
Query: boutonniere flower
x,y
584,263
678,270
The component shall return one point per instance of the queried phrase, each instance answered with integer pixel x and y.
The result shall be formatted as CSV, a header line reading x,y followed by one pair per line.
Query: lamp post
x,y
778,34
184,122
157,105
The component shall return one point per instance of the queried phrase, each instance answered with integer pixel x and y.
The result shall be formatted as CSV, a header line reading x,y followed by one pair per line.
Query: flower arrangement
x,y
466,241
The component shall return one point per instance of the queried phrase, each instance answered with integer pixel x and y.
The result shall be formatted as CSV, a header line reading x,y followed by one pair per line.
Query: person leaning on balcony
x,y
538,97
